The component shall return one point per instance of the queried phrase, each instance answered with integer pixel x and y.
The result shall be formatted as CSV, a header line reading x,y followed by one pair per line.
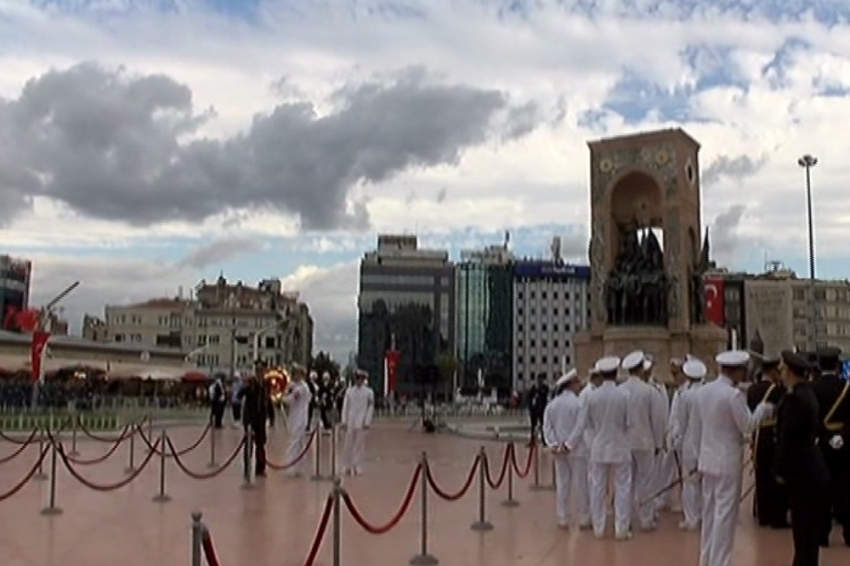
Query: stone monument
x,y
646,293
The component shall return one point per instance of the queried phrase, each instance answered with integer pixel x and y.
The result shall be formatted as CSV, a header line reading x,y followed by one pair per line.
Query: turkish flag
x,y
391,359
39,347
715,306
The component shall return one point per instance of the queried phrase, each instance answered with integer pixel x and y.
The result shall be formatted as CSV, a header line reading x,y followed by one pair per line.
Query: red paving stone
x,y
273,525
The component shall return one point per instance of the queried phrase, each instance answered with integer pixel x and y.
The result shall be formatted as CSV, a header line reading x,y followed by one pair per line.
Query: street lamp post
x,y
807,162
255,352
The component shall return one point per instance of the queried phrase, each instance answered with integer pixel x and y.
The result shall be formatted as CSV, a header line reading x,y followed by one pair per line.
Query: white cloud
x,y
551,53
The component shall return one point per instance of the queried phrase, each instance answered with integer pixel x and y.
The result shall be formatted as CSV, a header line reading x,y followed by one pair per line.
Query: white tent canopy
x,y
11,362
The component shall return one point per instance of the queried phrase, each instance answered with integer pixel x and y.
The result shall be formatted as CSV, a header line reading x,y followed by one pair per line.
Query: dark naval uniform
x,y
799,462
833,394
770,503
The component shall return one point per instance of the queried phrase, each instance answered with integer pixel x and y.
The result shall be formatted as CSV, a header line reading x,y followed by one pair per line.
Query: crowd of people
x,y
626,429
309,402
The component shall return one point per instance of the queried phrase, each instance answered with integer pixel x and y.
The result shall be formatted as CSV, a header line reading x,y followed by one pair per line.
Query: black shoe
x,y
780,525
260,474
823,543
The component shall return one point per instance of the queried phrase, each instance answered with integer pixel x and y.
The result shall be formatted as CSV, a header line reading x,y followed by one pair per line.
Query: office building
x,y
223,328
779,309
484,290
550,305
407,301
15,280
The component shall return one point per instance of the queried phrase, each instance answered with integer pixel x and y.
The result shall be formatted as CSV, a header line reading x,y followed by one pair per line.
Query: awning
x,y
195,376
145,371
55,364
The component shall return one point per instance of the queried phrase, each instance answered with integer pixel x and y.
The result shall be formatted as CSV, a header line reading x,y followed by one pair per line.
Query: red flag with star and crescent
x,y
715,307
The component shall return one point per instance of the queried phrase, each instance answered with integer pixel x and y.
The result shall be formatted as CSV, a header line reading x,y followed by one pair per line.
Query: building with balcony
x,y
550,305
406,300
484,290
223,329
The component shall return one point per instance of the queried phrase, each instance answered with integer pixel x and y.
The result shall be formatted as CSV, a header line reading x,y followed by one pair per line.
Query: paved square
x,y
274,524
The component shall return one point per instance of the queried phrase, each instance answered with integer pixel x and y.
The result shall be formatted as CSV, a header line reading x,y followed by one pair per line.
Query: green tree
x,y
322,362
448,366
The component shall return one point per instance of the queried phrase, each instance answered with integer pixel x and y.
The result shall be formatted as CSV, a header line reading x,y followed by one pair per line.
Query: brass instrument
x,y
277,380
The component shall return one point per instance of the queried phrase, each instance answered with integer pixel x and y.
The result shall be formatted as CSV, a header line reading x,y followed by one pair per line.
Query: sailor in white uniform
x,y
581,459
664,463
297,400
607,417
646,438
559,420
725,424
670,465
684,430
358,406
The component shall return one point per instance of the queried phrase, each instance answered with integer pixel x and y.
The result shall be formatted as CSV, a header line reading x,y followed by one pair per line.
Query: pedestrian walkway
x,y
274,524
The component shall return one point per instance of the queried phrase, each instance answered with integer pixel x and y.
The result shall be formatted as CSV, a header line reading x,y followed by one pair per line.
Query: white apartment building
x,y
550,306
222,330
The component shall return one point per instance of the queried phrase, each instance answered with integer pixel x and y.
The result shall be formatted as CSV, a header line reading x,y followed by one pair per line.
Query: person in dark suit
x,y
770,504
538,397
834,419
255,415
799,463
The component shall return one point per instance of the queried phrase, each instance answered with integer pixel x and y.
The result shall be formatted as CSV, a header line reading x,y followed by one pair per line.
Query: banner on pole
x,y
391,359
39,349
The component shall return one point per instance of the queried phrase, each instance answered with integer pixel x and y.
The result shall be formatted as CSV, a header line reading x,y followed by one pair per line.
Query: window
x,y
519,359
533,294
555,327
215,339
543,327
555,344
543,294
533,360
119,337
533,344
543,344
519,327
554,294
544,360
555,311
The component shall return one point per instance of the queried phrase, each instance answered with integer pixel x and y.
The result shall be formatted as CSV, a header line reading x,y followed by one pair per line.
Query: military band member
x,y
799,464
770,503
686,438
834,403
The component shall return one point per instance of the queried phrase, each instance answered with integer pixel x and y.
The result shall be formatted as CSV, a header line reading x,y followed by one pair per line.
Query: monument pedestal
x,y
704,341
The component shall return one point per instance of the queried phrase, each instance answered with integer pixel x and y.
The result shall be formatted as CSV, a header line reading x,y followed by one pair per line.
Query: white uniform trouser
x,y
721,500
691,493
563,482
643,482
600,476
297,442
581,487
665,475
353,448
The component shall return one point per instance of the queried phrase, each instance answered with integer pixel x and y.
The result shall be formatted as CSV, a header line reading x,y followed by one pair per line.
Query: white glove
x,y
836,442
764,411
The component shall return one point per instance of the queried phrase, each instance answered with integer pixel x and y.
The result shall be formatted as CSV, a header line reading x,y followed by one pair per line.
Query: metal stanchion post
x,y
317,456
536,469
212,463
337,523
246,460
551,486
162,497
40,475
510,501
197,536
482,524
51,508
75,422
131,464
424,558
334,432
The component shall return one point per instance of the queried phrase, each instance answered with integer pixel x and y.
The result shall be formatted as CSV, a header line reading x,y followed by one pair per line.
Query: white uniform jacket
x,y
648,428
607,417
357,407
725,424
560,418
297,399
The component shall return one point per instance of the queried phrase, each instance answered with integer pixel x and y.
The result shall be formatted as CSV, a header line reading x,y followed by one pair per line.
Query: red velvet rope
x,y
320,532
506,461
107,487
394,521
27,478
204,475
117,439
22,446
209,549
99,459
528,462
184,451
453,496
298,458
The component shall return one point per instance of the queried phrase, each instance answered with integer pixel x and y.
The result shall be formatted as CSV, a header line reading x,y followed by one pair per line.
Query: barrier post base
x,y
424,560
319,478
248,485
51,511
162,498
481,526
129,470
510,502
40,477
540,488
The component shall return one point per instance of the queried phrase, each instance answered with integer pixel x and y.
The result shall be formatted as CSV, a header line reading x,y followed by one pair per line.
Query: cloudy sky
x,y
148,144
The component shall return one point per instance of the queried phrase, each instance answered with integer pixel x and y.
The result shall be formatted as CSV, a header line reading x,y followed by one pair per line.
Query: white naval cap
x,y
694,369
607,364
732,358
633,360
566,378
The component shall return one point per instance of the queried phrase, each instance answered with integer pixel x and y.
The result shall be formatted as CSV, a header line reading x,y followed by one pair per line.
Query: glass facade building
x,y
484,323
